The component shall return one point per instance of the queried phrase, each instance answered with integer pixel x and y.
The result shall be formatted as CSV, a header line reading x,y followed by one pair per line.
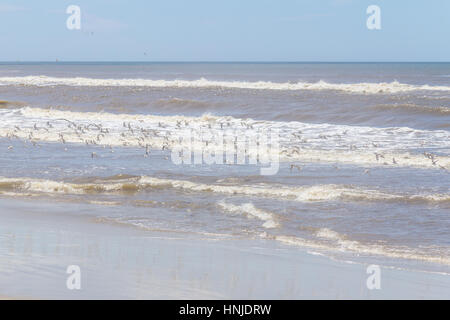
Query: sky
x,y
225,30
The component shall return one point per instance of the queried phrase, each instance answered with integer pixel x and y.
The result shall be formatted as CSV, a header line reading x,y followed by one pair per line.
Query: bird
x,y
429,155
295,166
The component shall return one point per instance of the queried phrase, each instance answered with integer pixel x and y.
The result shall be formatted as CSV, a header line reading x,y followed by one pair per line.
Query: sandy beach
x,y
124,263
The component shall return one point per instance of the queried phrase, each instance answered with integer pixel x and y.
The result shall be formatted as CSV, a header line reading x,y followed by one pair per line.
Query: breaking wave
x,y
332,240
369,88
250,210
298,141
119,184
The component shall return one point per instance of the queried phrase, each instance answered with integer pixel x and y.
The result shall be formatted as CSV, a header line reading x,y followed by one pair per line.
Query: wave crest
x,y
328,192
369,88
250,210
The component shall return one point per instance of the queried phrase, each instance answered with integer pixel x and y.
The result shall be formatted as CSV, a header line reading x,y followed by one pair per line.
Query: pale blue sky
x,y
225,30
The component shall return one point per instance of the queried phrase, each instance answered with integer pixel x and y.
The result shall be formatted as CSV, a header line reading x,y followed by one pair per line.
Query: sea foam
x,y
369,88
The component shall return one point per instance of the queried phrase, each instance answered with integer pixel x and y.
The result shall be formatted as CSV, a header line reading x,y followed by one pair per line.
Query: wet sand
x,y
37,243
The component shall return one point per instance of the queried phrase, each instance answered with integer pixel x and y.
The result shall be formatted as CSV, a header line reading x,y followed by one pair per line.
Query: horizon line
x,y
207,61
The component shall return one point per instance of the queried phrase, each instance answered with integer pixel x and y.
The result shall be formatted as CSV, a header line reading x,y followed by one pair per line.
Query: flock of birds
x,y
163,136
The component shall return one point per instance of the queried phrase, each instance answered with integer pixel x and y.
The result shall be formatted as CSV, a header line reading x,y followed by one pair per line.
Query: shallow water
x,y
372,142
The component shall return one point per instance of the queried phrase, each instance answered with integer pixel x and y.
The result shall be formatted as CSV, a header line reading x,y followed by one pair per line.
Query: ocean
x,y
364,152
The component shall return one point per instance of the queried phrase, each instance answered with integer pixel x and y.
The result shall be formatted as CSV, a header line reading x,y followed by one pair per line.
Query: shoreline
x,y
37,245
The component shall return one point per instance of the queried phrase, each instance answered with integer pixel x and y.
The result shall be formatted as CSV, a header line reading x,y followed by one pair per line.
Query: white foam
x,y
250,210
298,141
328,234
339,242
370,88
326,192
327,239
